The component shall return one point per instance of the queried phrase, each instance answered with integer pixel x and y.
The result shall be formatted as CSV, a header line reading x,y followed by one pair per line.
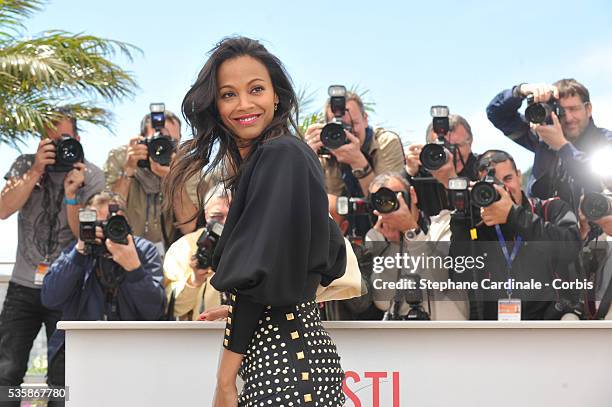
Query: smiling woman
x,y
278,243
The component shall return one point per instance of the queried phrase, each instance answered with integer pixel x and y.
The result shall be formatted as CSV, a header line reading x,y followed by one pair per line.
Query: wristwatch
x,y
362,172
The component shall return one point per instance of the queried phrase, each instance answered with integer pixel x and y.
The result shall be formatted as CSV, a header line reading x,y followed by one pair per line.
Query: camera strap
x,y
55,208
508,256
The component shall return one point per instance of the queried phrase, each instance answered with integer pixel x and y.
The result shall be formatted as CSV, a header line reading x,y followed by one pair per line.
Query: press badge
x,y
41,270
509,309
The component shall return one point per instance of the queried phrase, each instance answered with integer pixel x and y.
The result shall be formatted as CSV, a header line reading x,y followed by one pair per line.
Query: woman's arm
x,y
226,394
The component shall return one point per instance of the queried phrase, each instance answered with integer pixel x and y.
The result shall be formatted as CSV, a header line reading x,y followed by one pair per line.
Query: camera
x,y
385,200
332,134
483,193
596,205
412,296
458,194
115,227
539,113
207,243
433,155
68,151
159,147
346,206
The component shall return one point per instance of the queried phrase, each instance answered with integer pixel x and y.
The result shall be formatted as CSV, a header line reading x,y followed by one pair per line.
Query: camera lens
x,y
332,135
117,229
161,149
69,151
595,206
433,156
484,194
538,113
384,200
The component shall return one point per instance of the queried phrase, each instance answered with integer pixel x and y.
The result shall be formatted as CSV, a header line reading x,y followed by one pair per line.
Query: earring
x,y
276,106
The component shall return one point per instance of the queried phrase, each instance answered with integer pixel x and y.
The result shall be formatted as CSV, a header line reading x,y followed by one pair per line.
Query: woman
x,y
278,243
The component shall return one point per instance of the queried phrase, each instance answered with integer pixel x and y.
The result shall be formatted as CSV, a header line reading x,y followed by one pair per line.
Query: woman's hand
x,y
215,314
226,396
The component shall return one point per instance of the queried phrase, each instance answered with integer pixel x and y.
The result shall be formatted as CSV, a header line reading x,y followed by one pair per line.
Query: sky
x,y
408,55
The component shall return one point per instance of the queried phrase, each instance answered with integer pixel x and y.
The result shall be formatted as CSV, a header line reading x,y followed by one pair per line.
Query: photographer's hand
x,y
135,153
551,135
45,155
199,276
541,92
158,169
74,180
389,233
124,255
497,213
351,153
413,162
404,218
313,136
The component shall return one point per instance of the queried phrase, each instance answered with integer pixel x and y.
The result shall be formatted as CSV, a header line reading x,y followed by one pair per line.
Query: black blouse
x,y
278,242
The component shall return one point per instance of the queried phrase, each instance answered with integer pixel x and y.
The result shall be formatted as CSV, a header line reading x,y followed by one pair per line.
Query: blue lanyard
x,y
509,257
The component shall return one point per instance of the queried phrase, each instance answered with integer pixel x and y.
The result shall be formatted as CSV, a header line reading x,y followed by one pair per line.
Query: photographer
x,y
183,264
47,189
396,231
542,240
103,279
135,174
430,183
350,168
561,133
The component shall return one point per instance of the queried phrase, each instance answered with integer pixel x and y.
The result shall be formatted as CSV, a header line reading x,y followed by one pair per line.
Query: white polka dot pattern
x,y
291,361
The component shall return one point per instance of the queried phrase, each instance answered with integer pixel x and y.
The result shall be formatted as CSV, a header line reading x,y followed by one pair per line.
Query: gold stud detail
x,y
290,316
233,297
295,335
304,375
229,320
228,332
231,308
300,355
307,397
225,342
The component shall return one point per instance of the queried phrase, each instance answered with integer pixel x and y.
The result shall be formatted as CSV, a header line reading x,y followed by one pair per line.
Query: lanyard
x,y
509,257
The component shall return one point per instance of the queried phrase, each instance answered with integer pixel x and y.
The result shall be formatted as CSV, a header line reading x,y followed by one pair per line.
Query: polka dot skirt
x,y
291,361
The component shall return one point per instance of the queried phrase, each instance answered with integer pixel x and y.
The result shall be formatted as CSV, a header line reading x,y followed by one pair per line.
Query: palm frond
x,y
12,13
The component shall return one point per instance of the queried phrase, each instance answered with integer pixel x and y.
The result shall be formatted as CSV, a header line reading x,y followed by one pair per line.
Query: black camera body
x,y
385,200
346,206
540,113
68,151
483,193
332,134
596,205
207,242
159,147
412,296
115,227
433,155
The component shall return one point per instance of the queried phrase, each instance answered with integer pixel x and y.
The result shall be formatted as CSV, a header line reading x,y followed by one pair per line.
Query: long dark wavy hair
x,y
200,111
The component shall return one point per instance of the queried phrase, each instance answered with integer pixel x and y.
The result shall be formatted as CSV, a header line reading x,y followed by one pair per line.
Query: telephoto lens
x,y
484,194
433,156
116,228
68,151
332,135
596,205
161,148
385,200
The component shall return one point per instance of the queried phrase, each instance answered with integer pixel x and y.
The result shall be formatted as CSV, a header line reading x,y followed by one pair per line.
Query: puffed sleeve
x,y
277,232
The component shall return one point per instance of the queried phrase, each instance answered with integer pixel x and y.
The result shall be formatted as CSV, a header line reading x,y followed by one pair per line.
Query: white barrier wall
x,y
387,364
